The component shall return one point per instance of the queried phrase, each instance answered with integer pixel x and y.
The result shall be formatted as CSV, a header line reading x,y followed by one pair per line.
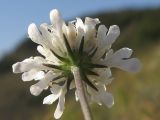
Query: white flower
x,y
75,44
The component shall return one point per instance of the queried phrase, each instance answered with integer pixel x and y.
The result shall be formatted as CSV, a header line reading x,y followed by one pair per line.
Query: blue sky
x,y
16,15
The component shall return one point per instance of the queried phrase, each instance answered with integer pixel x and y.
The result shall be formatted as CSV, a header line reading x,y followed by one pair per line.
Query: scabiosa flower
x,y
74,44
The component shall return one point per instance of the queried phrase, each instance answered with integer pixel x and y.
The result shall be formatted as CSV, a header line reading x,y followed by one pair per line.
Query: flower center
x,y
77,58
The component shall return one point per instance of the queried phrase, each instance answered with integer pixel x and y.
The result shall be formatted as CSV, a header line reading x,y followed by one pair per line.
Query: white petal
x,y
28,76
34,34
28,64
32,74
104,76
41,50
47,36
55,16
16,68
107,98
35,90
39,75
79,23
131,65
80,31
70,32
109,54
58,24
108,72
49,76
50,98
94,95
39,59
101,41
90,40
56,20
22,67
47,54
112,34
101,35
55,89
60,107
91,22
54,39
89,26
123,53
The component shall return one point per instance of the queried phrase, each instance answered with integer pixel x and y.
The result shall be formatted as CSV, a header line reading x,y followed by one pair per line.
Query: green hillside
x,y
137,96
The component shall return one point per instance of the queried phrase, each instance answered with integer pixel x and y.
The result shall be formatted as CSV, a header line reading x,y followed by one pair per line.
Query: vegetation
x,y
137,96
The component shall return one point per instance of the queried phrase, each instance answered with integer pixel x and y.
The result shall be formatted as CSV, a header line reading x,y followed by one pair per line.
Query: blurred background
x,y
137,96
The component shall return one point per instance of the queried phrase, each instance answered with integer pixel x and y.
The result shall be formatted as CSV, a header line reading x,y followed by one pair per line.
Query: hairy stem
x,y
81,93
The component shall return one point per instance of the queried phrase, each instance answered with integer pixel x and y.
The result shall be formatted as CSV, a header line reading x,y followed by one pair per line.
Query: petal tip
x,y
35,90
136,66
16,68
46,101
31,27
57,115
107,99
54,15
32,31
115,29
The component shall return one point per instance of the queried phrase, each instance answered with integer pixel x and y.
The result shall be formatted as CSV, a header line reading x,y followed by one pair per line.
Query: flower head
x,y
79,44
